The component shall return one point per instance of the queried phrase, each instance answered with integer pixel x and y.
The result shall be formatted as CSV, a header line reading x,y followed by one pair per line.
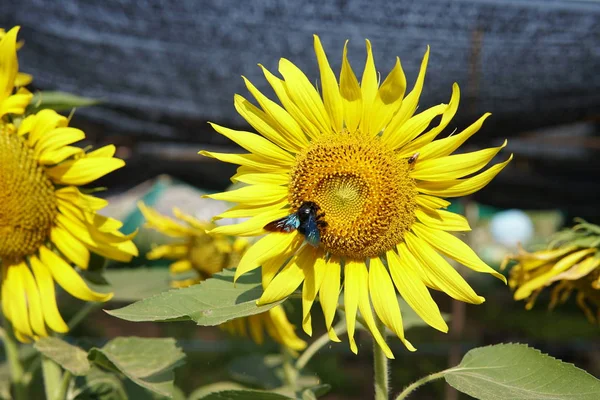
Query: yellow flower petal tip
x,y
354,156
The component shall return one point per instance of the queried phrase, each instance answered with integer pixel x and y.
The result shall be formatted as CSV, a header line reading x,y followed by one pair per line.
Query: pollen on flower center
x,y
363,189
27,202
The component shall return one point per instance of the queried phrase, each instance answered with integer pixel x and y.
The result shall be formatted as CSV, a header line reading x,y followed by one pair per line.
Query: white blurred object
x,y
511,227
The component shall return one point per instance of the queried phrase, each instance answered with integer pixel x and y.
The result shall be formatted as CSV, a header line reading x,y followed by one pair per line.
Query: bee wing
x,y
285,224
313,236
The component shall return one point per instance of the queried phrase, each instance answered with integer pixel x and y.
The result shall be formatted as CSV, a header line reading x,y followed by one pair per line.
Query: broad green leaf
x,y
204,391
100,385
245,395
69,357
147,362
58,101
209,303
133,284
515,371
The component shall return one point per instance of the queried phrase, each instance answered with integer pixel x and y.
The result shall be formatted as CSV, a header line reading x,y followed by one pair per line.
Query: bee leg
x,y
319,216
321,223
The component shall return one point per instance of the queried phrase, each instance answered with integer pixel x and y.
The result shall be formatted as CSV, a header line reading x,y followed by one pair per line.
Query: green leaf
x,y
147,362
204,391
101,385
133,284
69,357
515,371
58,101
209,303
245,395
259,371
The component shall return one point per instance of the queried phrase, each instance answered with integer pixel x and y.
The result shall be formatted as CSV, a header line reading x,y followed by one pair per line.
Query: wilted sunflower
x,y
361,156
570,262
47,224
207,254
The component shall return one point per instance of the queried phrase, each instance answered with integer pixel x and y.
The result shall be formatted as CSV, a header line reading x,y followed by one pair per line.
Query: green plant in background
x,y
357,151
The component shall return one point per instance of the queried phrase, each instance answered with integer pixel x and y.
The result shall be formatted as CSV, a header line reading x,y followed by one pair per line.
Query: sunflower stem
x,y
52,378
380,364
12,355
315,346
290,373
64,386
413,386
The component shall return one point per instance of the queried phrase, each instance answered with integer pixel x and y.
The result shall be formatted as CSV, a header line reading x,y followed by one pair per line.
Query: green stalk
x,y
315,346
12,355
52,378
413,386
380,364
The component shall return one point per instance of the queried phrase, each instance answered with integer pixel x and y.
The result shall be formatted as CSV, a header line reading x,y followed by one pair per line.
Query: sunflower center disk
x,y
27,202
364,190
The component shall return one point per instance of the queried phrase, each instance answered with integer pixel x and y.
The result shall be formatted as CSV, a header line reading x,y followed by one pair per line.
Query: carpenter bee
x,y
306,220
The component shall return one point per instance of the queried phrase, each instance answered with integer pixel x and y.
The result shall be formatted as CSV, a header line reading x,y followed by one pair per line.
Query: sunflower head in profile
x,y
570,263
48,223
204,255
368,177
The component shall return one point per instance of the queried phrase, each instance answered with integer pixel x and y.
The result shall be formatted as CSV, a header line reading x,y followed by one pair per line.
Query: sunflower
x,y
205,254
570,263
361,155
47,224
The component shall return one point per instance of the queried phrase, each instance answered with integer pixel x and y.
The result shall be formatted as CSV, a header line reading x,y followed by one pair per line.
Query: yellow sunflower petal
x,y
412,128
405,274
58,138
281,90
252,195
84,201
53,157
83,171
304,95
314,275
70,246
462,187
23,79
331,91
289,278
271,267
431,202
259,178
68,278
243,210
387,101
17,299
442,219
410,102
352,282
40,124
440,272
285,329
288,130
107,151
253,226
17,103
34,302
446,146
329,292
248,160
255,323
168,251
418,144
256,144
368,85
180,266
9,64
351,94
384,299
45,285
454,167
263,250
453,247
